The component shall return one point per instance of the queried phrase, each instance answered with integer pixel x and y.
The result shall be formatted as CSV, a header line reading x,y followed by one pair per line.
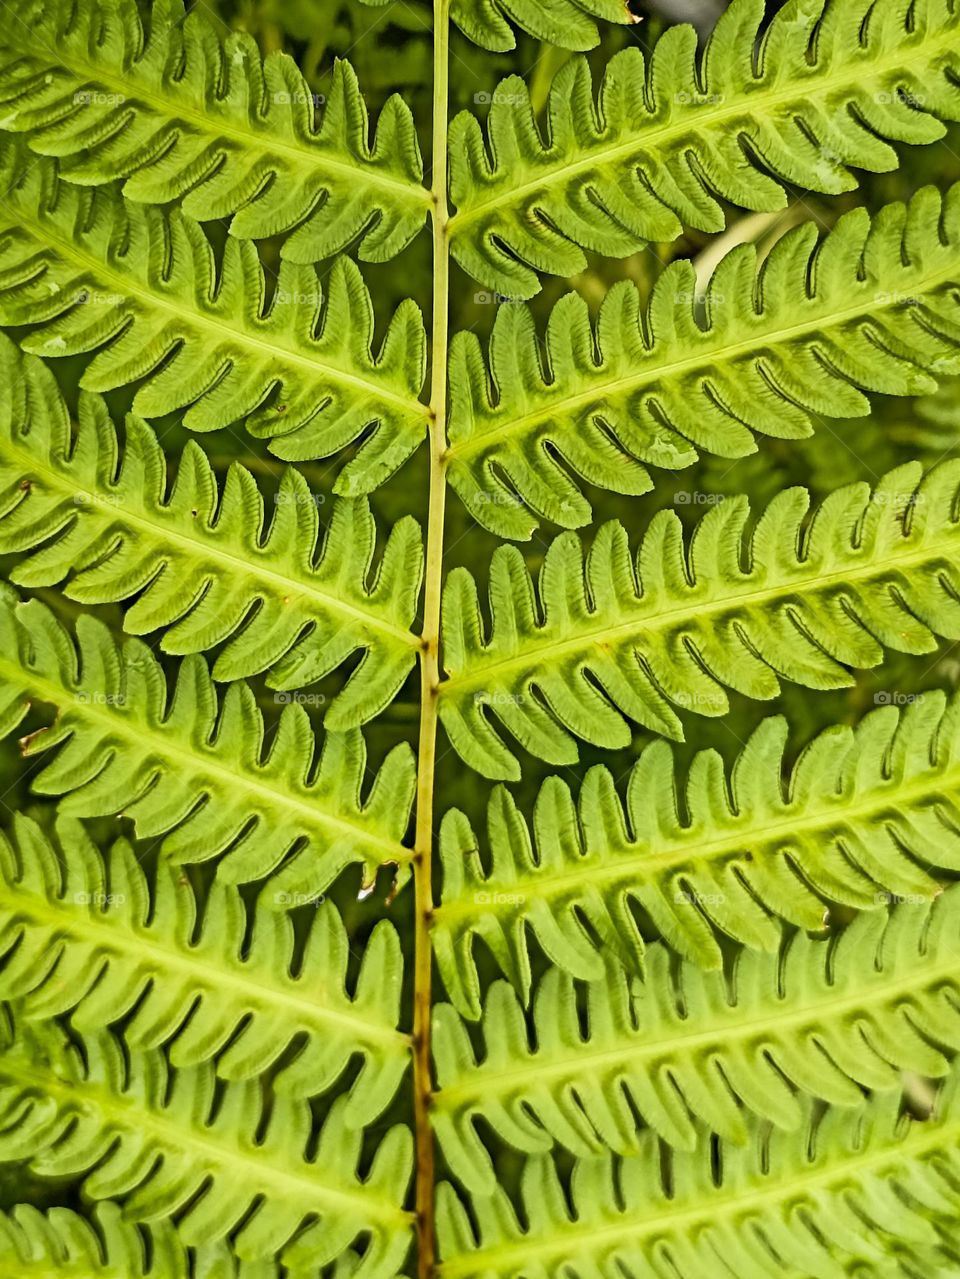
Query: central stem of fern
x,y
429,657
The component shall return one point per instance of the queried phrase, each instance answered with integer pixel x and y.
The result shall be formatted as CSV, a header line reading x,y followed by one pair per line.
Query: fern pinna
x,y
479,709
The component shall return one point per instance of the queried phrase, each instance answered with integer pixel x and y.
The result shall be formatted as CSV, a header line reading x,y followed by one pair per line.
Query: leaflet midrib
x,y
129,1115
198,550
496,1260
268,143
548,886
49,232
201,765
683,1040
639,625
756,342
142,949
562,171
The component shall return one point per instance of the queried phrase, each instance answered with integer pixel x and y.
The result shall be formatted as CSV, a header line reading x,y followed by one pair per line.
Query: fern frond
x,y
185,115
140,286
684,1045
873,306
205,565
650,155
847,1186
61,1243
182,761
568,24
619,637
89,935
864,813
165,1142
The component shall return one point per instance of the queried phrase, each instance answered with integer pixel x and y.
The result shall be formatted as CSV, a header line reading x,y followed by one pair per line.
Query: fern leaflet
x,y
162,1141
651,154
195,766
874,305
569,24
845,1187
204,565
91,936
617,636
140,287
61,1244
866,812
184,115
684,1045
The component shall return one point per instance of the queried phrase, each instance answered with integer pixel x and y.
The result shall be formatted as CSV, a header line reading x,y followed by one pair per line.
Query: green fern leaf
x,y
184,763
656,148
91,936
730,986
205,565
828,1019
163,1142
867,812
61,1243
140,287
184,115
873,306
568,24
845,1187
618,637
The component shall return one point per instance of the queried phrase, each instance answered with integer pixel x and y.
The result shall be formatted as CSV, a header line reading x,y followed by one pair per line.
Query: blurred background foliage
x,y
390,48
